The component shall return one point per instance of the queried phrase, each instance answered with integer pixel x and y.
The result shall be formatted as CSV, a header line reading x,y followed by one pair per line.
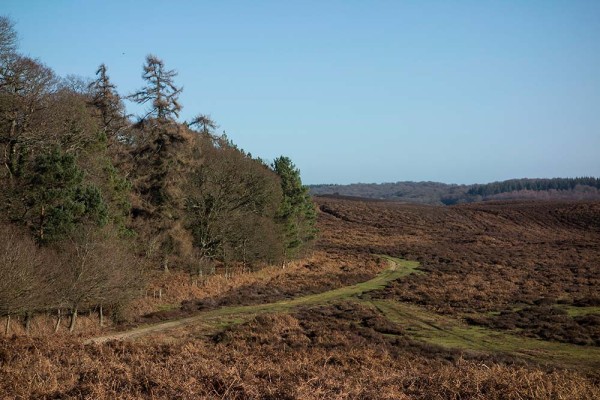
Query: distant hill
x,y
436,193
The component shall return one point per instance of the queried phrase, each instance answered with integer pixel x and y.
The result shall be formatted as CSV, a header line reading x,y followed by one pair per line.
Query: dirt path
x,y
227,315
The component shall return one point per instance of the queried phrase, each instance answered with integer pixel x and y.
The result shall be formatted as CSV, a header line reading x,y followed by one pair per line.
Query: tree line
x,y
514,185
92,197
436,193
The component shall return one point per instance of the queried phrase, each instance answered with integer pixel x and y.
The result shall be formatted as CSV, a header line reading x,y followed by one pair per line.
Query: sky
x,y
357,91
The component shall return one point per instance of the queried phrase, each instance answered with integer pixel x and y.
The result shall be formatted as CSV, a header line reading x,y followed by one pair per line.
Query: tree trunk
x,y
42,218
166,264
7,326
10,152
27,322
58,320
101,317
73,320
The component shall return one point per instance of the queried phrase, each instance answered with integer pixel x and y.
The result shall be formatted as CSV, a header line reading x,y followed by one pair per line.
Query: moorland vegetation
x,y
197,254
295,333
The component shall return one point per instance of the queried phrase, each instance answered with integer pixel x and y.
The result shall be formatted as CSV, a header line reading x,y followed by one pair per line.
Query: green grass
x,y
574,311
398,269
418,323
428,327
221,318
515,308
423,325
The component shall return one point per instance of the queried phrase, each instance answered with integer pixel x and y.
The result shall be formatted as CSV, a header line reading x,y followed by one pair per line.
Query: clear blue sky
x,y
358,91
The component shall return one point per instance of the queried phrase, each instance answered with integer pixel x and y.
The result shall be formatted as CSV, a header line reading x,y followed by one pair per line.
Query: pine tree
x,y
108,102
296,213
57,199
205,123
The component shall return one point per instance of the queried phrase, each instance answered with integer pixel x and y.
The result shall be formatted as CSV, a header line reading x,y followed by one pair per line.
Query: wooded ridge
x,y
437,193
93,198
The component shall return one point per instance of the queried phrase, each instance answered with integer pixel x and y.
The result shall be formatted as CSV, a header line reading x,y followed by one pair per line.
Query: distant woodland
x,y
435,193
93,198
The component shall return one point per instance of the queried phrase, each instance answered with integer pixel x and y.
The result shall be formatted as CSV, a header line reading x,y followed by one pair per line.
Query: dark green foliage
x,y
118,198
57,199
297,212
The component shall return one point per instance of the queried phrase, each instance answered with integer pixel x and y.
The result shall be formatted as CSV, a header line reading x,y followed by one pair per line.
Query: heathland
x,y
147,257
500,301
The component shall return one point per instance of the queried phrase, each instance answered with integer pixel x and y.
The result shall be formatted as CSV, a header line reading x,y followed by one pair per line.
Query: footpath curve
x,y
234,314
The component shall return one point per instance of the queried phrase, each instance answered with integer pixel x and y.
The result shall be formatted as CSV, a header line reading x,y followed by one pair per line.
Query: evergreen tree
x,y
296,213
108,102
56,198
161,91
205,123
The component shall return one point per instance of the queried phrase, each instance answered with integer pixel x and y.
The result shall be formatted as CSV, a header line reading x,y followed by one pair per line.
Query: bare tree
x,y
8,38
67,122
25,85
96,270
25,274
92,270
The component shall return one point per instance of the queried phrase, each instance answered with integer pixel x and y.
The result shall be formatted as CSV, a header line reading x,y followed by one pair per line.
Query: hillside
x,y
436,193
503,301
94,201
